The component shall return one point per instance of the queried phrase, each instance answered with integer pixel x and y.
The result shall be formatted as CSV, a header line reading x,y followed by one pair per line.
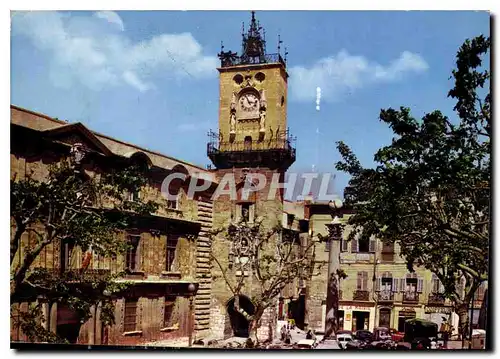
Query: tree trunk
x,y
254,325
463,321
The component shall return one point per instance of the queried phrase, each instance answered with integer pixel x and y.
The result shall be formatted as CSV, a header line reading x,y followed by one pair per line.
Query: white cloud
x,y
344,73
111,17
82,49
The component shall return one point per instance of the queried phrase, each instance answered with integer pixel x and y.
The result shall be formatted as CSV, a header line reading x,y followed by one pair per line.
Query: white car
x,y
343,339
328,344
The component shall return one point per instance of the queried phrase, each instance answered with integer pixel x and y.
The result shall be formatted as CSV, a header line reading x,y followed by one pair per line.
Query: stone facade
x,y
155,286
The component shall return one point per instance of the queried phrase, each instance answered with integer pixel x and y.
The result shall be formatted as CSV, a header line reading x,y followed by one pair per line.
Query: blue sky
x,y
149,77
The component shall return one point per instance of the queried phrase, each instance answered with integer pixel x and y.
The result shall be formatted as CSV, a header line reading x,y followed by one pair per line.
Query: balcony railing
x,y
75,275
385,296
410,297
267,152
436,298
361,295
228,60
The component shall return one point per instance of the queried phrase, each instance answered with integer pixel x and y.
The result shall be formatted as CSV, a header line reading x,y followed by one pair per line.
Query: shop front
x,y
356,317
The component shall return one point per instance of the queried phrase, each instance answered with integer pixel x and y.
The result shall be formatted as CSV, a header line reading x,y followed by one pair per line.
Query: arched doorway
x,y
239,323
384,317
68,324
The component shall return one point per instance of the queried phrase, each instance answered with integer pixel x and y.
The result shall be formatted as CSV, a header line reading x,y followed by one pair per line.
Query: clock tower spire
x,y
252,111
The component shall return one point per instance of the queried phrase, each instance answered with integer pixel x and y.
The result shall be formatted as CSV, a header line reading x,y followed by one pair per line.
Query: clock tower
x,y
252,139
252,108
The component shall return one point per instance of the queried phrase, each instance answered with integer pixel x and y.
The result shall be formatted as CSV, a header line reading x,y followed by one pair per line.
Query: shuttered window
x,y
372,246
130,319
362,281
344,245
354,245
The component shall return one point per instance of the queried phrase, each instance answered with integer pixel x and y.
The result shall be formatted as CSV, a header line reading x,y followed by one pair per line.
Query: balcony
x,y
436,299
229,59
385,296
363,295
272,153
410,297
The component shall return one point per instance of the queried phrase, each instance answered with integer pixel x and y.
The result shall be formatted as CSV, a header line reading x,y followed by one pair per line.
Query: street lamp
x,y
191,290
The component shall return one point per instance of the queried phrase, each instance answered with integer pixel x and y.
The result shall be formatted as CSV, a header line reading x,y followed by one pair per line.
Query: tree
x,y
81,209
270,259
430,190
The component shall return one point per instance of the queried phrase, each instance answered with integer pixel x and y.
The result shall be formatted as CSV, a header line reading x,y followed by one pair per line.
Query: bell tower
x,y
252,107
252,139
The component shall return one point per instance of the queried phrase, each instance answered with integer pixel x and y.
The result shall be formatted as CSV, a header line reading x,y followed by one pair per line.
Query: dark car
x,y
363,335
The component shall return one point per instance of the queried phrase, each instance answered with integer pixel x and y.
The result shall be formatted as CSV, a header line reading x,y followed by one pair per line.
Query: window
x,y
168,311
362,281
67,248
173,203
130,318
245,212
170,255
134,196
364,245
344,245
132,257
437,287
413,284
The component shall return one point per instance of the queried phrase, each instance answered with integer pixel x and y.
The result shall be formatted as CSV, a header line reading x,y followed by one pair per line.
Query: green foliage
x,y
83,210
430,190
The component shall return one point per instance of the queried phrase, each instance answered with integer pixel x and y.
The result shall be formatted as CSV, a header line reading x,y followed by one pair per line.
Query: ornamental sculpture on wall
x,y
232,119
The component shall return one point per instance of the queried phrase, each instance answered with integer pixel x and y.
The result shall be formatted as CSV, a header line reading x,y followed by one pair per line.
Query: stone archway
x,y
239,323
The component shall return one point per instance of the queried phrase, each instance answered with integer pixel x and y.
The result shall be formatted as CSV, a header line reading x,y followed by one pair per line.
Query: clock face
x,y
249,102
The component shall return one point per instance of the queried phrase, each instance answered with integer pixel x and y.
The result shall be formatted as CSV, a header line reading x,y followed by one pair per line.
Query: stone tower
x,y
252,139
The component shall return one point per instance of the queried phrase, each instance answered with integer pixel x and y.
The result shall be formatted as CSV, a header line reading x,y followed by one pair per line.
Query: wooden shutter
x,y
344,245
395,284
365,281
359,284
402,284
372,245
354,245
420,285
441,287
130,318
378,284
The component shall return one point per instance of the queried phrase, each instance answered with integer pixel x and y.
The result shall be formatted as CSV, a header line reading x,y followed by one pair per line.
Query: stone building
x,y
252,139
378,291
170,248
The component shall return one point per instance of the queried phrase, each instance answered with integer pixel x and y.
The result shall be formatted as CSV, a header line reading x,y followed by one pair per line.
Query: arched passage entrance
x,y
239,323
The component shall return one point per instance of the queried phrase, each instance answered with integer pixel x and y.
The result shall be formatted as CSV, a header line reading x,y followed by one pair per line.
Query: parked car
x,y
381,334
363,335
396,335
306,344
328,344
343,339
